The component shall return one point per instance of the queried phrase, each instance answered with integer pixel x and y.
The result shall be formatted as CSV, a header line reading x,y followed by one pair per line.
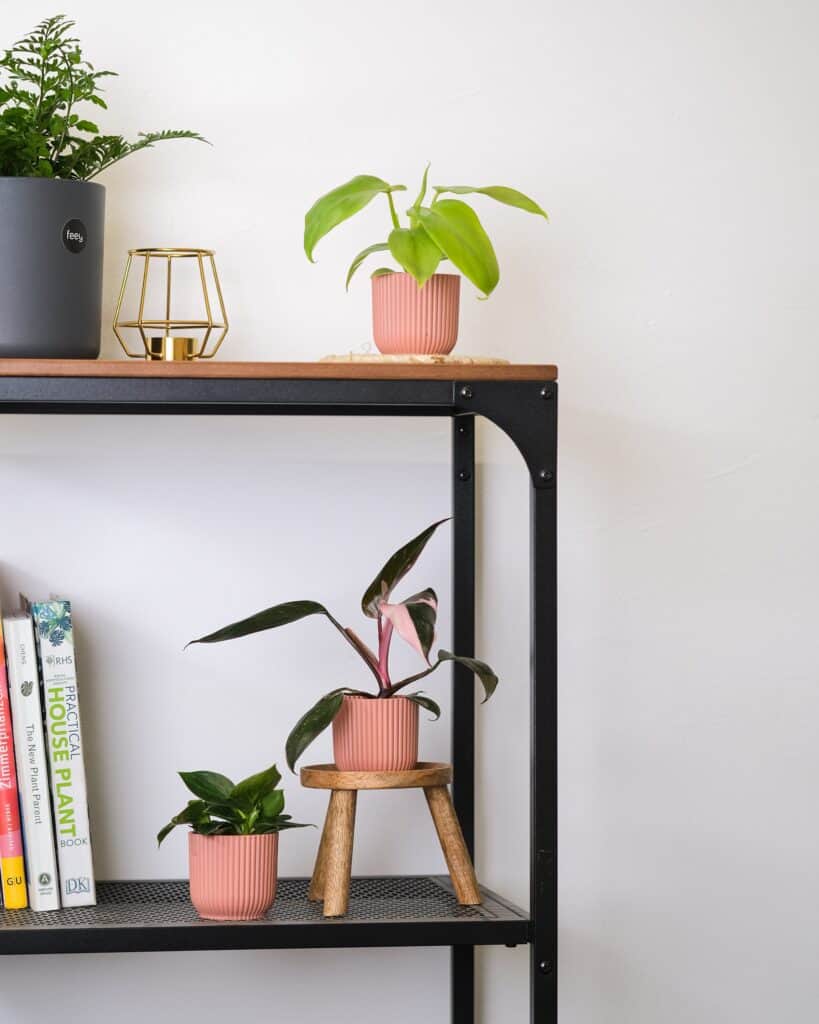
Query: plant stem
x,y
384,638
393,214
423,192
410,679
365,653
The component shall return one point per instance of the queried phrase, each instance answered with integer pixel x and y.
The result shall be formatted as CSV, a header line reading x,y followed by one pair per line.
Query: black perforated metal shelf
x,y
158,915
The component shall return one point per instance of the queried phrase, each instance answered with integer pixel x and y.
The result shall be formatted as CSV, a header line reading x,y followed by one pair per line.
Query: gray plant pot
x,y
50,268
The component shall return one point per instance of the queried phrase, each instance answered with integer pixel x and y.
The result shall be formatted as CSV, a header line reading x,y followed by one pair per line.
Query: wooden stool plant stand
x,y
331,875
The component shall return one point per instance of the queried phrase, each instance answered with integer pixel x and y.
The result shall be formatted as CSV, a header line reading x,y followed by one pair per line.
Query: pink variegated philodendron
x,y
413,619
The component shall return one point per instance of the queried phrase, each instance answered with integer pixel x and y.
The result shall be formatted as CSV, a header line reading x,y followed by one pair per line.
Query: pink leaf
x,y
414,620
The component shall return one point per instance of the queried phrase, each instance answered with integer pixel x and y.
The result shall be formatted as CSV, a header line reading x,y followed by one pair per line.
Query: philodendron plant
x,y
445,229
252,807
413,619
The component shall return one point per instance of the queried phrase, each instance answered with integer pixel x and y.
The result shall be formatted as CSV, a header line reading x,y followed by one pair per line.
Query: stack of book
x,y
45,840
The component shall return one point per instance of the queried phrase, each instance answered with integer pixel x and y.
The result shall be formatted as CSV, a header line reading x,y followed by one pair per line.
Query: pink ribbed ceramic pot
x,y
233,878
408,320
376,735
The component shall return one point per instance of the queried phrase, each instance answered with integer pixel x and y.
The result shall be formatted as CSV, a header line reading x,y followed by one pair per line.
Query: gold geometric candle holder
x,y
170,337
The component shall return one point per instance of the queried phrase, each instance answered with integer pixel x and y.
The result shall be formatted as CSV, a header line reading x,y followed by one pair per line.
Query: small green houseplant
x,y
233,844
371,731
53,216
424,319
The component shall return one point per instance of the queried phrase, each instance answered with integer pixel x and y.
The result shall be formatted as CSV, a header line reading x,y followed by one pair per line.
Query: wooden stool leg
x,y
340,827
316,890
452,843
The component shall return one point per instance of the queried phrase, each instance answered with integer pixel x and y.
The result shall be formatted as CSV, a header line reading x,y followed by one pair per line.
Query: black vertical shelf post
x,y
543,870
463,683
527,413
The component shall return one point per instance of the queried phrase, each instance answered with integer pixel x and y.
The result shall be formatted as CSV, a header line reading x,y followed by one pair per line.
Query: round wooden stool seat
x,y
425,773
331,875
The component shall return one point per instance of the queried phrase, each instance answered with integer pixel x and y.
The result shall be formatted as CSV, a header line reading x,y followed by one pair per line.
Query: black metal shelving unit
x,y
391,911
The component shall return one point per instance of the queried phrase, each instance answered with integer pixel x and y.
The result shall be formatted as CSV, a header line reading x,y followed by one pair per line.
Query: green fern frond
x,y
43,77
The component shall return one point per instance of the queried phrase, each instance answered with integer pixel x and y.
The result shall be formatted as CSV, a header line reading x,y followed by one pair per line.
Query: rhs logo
x,y
74,235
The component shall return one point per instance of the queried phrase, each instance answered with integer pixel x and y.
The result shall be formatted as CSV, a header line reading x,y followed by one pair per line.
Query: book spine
x,y
30,756
61,700
12,866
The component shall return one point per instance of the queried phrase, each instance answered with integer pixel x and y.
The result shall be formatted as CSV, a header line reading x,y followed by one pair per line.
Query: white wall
x,y
675,147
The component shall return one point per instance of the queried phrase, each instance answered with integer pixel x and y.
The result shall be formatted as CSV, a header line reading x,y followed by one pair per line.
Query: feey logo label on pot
x,y
74,235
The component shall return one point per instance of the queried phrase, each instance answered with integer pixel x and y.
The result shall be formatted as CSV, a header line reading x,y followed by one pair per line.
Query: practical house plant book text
x,y
61,703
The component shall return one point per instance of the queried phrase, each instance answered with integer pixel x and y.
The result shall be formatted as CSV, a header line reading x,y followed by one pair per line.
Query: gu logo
x,y
26,688
74,235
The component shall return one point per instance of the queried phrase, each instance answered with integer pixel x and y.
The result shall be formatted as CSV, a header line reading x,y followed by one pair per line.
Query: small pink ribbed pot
x,y
233,878
376,735
408,320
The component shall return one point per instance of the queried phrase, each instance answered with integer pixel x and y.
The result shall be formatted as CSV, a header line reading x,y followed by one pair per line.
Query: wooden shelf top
x,y
275,371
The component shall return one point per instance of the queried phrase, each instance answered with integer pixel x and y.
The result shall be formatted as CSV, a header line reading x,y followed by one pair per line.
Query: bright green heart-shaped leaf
x,y
414,620
500,193
270,618
207,785
415,251
378,247
312,724
394,570
251,790
456,230
339,204
479,668
427,703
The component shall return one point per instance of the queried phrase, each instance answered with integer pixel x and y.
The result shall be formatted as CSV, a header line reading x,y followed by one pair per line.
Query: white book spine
x,y
58,666
30,755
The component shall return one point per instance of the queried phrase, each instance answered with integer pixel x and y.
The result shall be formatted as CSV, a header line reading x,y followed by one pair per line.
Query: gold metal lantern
x,y
163,275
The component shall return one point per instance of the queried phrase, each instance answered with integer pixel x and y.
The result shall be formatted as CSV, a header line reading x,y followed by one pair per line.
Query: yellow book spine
x,y
13,872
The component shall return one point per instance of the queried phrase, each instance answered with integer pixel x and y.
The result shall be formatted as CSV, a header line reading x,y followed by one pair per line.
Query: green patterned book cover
x,y
61,709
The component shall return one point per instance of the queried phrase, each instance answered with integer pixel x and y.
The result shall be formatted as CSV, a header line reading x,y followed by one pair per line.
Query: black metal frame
x,y
527,412
157,916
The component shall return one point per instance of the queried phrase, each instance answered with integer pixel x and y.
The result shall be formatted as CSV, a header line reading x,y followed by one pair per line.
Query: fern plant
x,y
44,80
